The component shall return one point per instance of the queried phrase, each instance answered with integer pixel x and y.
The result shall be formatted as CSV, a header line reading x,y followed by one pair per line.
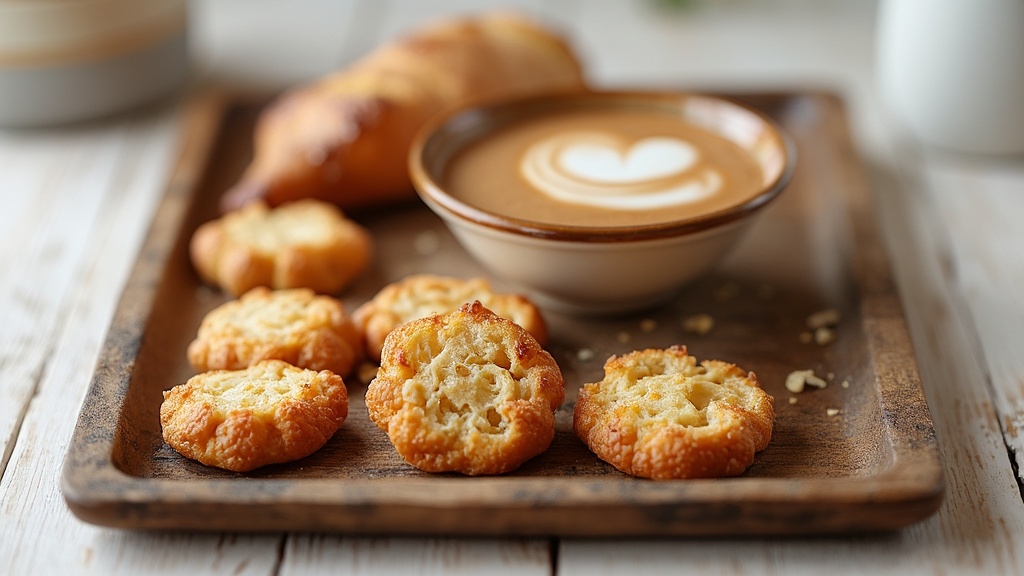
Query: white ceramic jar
x,y
953,71
69,60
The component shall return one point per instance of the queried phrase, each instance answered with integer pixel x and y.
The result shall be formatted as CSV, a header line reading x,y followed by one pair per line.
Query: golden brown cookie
x,y
657,414
297,326
269,413
304,244
467,392
421,295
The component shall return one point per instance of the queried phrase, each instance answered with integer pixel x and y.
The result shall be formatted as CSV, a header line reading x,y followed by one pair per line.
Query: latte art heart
x,y
601,159
598,169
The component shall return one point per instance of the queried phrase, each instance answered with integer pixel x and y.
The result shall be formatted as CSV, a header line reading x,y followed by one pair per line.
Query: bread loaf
x,y
346,137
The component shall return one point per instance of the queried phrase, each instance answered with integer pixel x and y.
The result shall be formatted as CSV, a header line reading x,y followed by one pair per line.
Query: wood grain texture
x,y
983,203
330,554
30,322
103,231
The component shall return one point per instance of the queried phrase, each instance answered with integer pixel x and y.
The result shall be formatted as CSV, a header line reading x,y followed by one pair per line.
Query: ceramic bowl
x,y
599,269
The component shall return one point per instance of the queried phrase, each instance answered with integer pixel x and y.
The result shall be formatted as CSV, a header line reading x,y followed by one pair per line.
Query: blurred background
x,y
739,44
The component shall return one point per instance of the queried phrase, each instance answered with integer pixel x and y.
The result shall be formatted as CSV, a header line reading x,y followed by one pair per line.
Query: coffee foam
x,y
602,170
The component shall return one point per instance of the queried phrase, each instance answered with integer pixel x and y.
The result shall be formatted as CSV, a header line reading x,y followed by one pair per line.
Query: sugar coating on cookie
x,y
421,295
297,325
240,420
658,414
304,244
468,391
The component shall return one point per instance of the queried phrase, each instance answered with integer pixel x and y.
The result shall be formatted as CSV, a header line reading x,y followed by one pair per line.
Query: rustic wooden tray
x,y
872,466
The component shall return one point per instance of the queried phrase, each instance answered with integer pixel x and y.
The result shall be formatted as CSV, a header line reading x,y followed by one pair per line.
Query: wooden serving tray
x,y
872,466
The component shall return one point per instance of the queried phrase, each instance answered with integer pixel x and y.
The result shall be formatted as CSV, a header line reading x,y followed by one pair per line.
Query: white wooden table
x,y
75,204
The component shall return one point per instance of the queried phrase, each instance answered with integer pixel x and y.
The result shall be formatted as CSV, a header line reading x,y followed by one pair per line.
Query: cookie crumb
x,y
832,411
585,354
845,384
824,336
700,324
797,380
792,399
827,318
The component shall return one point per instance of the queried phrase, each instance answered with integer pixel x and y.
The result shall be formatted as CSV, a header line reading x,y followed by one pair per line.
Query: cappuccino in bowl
x,y
601,201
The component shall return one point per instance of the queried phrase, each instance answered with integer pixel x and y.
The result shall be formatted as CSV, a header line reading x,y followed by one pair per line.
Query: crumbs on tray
x,y
798,380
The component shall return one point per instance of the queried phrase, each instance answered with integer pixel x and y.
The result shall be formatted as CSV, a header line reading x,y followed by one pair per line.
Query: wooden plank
x,y
47,222
329,554
982,202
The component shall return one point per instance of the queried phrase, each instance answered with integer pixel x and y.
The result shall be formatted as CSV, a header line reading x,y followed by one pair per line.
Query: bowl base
x,y
580,307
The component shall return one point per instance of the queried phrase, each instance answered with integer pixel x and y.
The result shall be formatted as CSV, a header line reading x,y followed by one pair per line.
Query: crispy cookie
x,y
657,414
422,295
304,244
297,326
467,391
269,413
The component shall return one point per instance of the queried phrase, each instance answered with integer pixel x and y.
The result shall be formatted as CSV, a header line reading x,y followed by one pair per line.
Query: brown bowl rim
x,y
434,195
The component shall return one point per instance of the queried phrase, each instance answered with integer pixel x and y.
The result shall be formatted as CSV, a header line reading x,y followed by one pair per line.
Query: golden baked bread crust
x,y
466,392
345,138
305,244
657,414
297,326
269,413
421,295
